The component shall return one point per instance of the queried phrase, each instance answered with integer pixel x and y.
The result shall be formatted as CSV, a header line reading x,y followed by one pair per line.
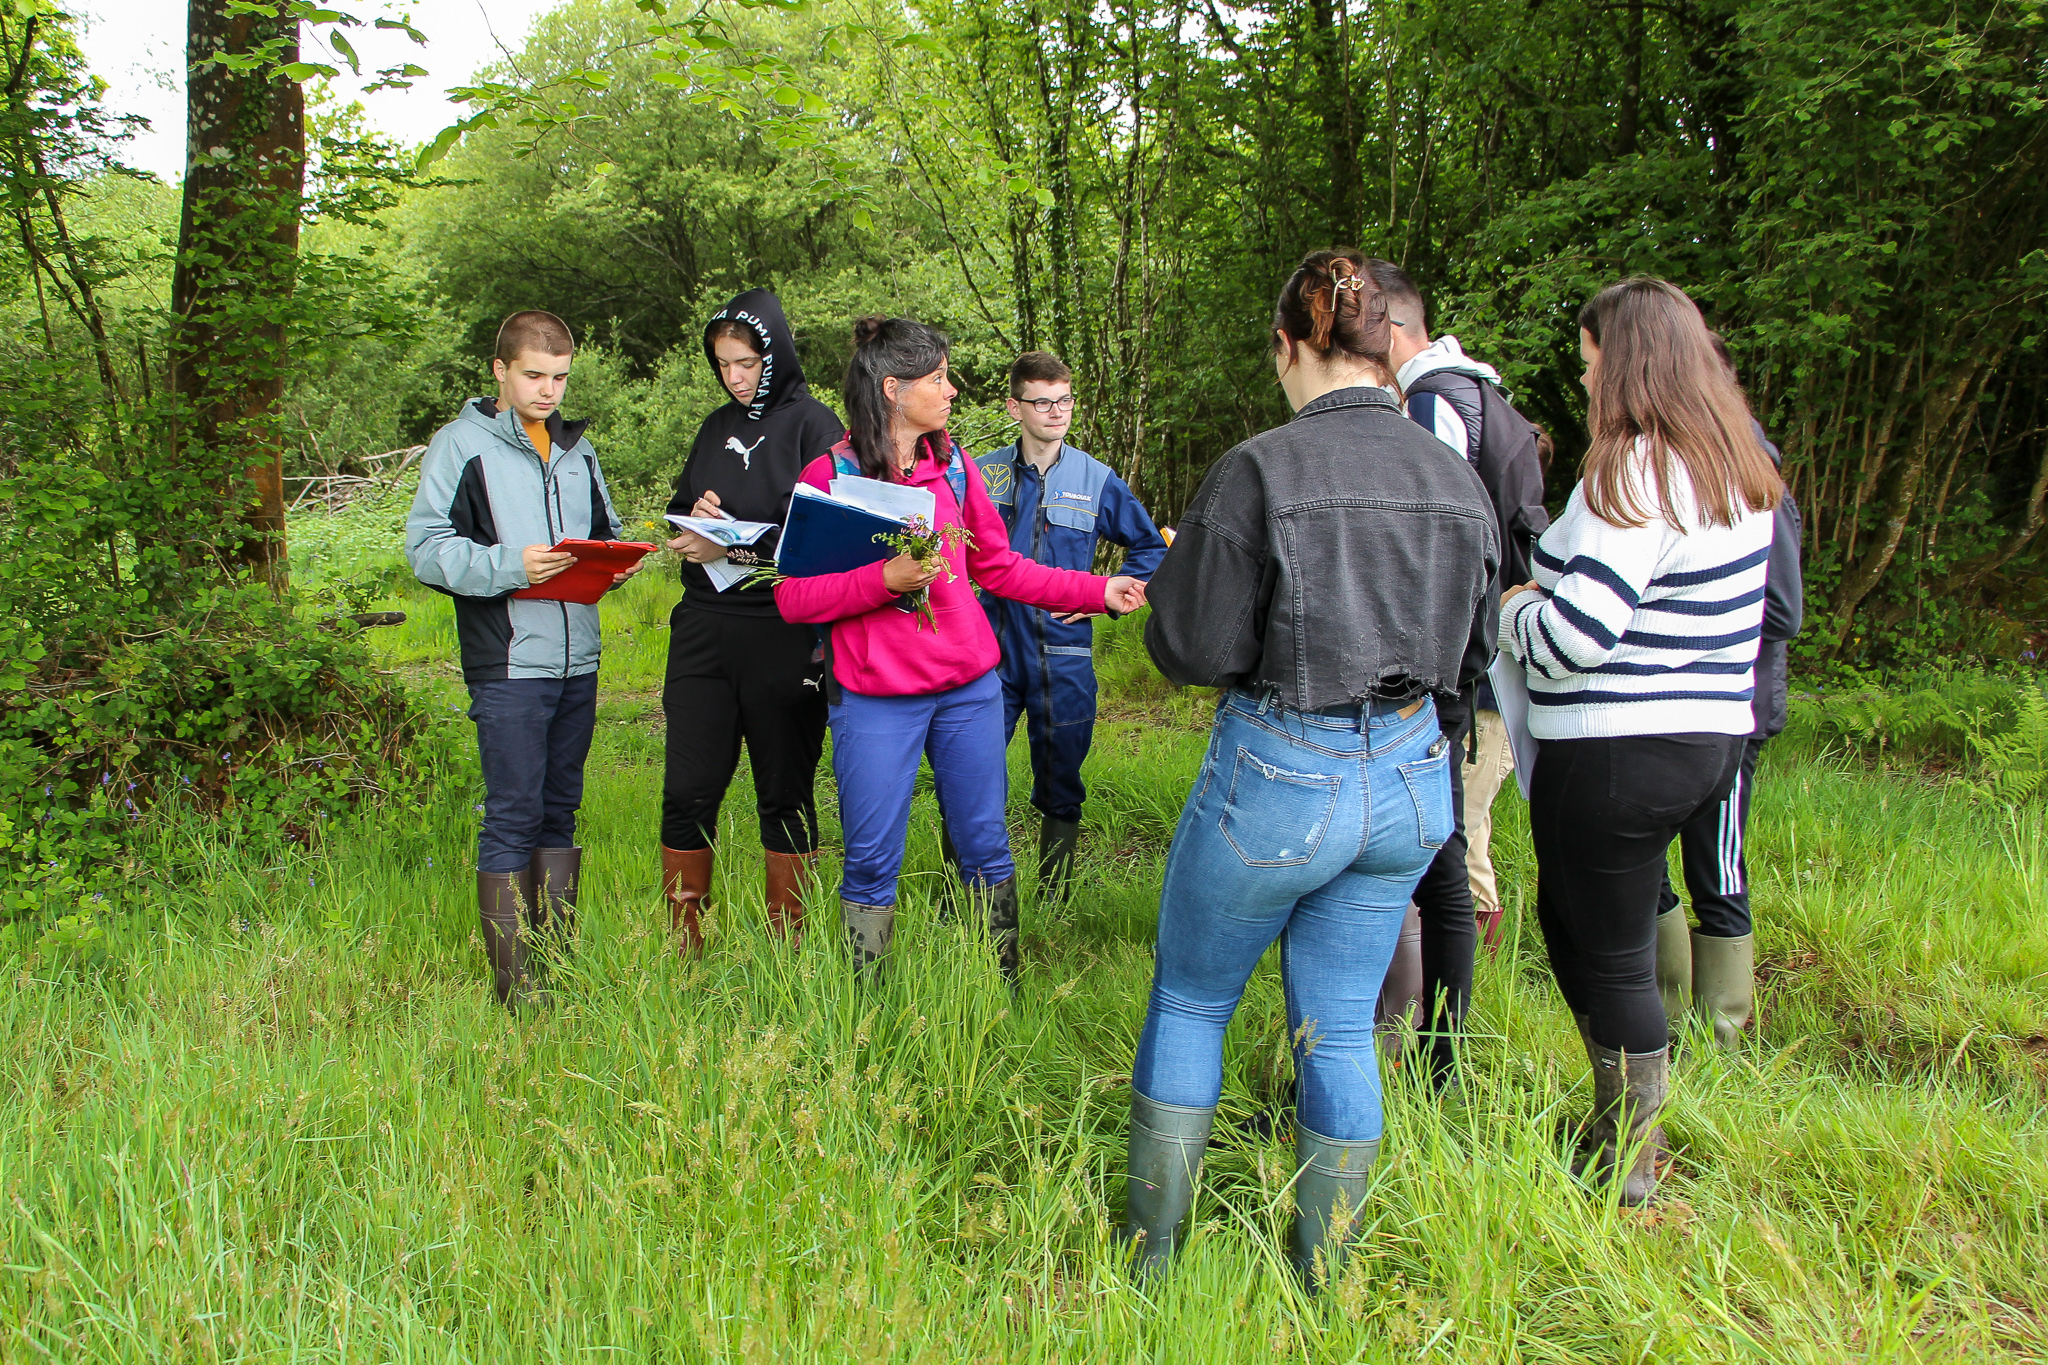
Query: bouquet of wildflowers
x,y
928,547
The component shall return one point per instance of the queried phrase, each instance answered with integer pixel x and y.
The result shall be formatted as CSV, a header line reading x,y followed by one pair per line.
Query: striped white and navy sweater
x,y
1641,630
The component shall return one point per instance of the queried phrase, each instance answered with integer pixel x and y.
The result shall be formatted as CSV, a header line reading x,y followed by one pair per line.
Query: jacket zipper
x,y
551,515
1038,614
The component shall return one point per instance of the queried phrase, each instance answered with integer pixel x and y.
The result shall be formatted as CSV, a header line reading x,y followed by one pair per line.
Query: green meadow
x,y
283,1120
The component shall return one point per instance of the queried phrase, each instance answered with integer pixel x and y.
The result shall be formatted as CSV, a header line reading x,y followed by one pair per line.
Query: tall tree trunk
x,y
238,240
1331,51
1628,122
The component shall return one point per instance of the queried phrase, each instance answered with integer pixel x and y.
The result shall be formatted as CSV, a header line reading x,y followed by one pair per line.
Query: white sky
x,y
138,48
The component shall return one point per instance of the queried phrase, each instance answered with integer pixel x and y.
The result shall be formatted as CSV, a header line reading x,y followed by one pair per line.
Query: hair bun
x,y
866,329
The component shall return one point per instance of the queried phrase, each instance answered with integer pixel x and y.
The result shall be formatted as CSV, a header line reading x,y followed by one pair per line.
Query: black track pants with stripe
x,y
1710,847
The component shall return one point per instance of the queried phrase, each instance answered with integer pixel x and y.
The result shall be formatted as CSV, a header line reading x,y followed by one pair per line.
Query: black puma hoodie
x,y
751,456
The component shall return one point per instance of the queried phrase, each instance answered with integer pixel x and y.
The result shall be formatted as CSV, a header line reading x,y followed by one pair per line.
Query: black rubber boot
x,y
1057,842
1164,1165
1623,1140
1329,1192
870,929
504,900
557,872
1000,901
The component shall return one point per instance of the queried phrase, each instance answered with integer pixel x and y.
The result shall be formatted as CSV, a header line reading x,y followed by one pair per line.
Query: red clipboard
x,y
590,577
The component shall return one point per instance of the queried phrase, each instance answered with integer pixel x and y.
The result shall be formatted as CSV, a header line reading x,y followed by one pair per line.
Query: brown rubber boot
x,y
686,881
557,872
504,900
1488,922
1400,1007
789,877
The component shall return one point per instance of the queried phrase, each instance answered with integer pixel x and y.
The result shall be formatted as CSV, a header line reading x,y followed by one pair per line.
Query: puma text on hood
x,y
782,374
750,456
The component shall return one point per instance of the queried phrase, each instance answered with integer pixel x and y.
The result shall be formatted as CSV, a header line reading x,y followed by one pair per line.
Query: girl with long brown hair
x,y
1639,635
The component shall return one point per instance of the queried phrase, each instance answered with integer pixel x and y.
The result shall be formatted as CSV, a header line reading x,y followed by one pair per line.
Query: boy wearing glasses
x,y
1058,503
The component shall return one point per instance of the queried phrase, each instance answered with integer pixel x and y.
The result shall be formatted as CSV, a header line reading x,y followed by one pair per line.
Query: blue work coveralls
x,y
1048,668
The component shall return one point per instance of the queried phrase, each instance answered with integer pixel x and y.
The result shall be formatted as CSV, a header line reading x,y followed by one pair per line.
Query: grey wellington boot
x,y
504,900
870,929
1057,841
1724,984
557,873
1674,966
1164,1165
1623,1139
1329,1192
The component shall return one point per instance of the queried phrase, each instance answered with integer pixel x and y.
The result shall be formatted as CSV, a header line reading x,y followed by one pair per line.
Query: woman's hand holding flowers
x,y
907,573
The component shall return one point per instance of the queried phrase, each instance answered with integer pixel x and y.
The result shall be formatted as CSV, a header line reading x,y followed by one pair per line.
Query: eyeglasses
x,y
1042,406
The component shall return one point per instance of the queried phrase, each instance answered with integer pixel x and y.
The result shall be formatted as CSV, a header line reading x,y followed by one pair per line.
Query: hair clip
x,y
1353,283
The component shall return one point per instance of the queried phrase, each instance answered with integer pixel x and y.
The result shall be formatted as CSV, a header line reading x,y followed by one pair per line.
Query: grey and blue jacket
x,y
1058,520
485,495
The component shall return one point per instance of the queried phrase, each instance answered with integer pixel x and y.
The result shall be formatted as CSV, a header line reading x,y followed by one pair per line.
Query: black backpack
x,y
1512,471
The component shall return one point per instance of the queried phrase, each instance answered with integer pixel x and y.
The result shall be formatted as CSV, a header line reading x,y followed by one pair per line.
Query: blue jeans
x,y
875,746
1311,828
533,735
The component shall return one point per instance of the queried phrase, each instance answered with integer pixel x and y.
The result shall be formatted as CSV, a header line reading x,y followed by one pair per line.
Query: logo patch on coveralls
x,y
997,480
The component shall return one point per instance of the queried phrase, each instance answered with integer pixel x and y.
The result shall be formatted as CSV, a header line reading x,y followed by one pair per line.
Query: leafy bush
x,y
265,713
1991,724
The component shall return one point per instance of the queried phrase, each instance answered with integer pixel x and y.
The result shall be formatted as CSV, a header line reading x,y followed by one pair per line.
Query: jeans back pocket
x,y
1429,785
1274,817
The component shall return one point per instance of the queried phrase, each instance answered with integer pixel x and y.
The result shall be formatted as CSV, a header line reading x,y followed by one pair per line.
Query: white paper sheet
x,y
727,531
724,573
1511,692
896,500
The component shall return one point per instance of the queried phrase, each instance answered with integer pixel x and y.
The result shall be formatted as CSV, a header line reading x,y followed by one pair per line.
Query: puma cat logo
x,y
810,682
746,453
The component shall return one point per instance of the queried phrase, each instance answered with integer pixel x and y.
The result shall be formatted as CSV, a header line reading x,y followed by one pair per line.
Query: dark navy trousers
x,y
533,735
1057,699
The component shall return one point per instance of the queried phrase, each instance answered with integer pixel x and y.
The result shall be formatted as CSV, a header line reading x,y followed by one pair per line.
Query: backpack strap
x,y
956,476
956,471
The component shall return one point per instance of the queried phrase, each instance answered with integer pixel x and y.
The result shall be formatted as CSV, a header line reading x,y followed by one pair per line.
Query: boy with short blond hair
x,y
500,485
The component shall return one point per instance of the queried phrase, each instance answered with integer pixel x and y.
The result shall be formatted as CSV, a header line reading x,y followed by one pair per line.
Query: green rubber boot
x,y
1329,1195
1674,966
1164,1166
1724,985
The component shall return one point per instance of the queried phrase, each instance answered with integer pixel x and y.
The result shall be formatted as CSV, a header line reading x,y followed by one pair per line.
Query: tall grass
x,y
290,1125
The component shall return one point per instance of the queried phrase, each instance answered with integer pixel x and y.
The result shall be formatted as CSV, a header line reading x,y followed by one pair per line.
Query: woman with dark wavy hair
x,y
1639,635
908,688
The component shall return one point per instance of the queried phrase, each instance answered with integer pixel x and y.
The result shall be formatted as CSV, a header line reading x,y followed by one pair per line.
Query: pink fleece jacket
x,y
878,649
